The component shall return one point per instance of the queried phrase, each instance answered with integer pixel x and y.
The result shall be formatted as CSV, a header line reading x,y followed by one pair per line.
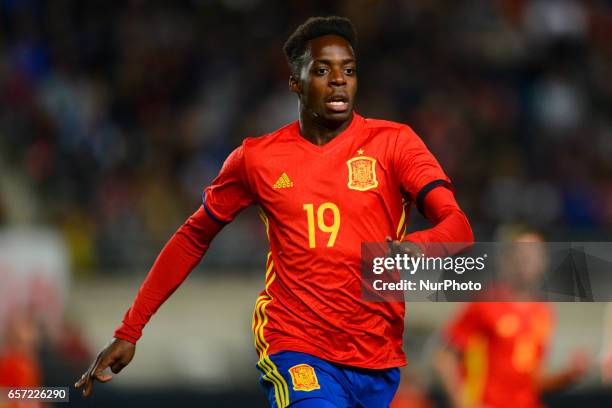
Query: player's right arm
x,y
448,357
222,200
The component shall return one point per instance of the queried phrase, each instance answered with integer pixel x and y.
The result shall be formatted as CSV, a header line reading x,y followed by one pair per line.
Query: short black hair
x,y
315,27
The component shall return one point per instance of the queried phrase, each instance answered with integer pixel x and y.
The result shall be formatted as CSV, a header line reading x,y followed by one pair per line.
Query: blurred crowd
x,y
113,119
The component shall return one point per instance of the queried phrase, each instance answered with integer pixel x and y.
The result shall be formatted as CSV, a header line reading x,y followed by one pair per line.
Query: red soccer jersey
x,y
503,345
319,203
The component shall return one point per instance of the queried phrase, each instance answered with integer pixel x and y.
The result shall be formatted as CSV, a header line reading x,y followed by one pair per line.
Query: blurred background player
x,y
493,352
19,355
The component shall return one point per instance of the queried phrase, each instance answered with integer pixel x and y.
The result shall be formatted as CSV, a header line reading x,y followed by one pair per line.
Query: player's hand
x,y
405,247
579,364
116,355
606,367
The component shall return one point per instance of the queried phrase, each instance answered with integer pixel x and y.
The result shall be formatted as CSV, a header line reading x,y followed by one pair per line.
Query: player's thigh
x,y
290,377
313,403
376,389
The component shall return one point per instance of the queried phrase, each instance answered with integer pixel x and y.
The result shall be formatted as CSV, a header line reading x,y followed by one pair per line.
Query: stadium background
x,y
114,117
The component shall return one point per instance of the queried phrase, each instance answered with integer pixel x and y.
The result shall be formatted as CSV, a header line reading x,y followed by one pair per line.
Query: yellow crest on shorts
x,y
304,378
362,173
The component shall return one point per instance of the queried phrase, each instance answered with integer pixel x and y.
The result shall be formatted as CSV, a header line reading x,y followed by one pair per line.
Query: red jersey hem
x,y
302,348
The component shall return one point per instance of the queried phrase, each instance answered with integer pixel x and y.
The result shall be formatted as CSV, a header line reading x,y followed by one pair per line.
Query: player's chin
x,y
338,116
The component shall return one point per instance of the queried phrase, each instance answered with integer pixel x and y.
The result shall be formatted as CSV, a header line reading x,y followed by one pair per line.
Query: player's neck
x,y
319,133
524,294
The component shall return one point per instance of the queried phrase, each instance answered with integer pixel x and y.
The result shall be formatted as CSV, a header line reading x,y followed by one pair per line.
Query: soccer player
x,y
324,184
19,347
494,351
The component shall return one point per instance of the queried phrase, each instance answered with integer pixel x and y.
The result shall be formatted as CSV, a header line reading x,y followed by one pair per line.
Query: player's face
x,y
328,81
532,257
527,261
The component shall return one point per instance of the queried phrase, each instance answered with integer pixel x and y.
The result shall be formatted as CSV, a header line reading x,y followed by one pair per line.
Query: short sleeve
x,y
418,170
467,323
229,192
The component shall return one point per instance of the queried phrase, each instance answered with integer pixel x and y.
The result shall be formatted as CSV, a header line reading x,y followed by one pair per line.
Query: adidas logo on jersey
x,y
283,182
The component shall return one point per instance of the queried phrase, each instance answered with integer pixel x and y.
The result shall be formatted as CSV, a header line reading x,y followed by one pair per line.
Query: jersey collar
x,y
357,124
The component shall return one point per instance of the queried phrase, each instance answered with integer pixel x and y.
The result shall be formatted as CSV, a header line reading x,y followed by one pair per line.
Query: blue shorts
x,y
296,379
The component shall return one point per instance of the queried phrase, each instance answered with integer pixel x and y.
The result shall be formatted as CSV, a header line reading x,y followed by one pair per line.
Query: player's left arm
x,y
575,369
423,179
573,372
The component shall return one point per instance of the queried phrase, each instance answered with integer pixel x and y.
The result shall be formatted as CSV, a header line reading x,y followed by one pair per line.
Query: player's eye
x,y
350,71
321,71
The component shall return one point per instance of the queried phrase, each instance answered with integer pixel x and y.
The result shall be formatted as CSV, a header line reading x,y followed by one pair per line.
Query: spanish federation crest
x,y
362,173
304,378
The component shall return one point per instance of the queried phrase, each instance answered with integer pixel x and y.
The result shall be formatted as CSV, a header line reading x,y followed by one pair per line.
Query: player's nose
x,y
337,77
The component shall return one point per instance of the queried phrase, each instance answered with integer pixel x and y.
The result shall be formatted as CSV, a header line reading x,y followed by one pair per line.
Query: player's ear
x,y
294,84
